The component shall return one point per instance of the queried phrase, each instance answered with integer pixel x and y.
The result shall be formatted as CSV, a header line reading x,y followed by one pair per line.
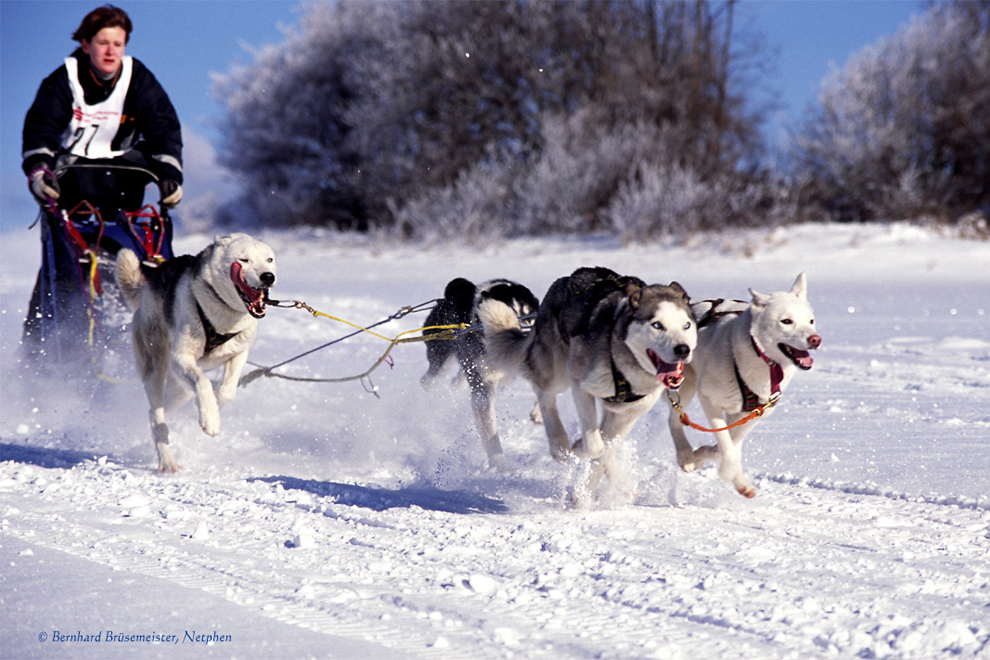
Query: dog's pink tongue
x,y
671,375
803,359
672,379
252,294
255,297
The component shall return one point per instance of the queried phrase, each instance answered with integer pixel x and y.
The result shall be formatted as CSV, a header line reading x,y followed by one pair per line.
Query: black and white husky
x,y
459,305
611,339
192,314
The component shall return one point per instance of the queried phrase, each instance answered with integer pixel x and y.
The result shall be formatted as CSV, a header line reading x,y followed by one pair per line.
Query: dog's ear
x,y
630,289
634,295
679,291
800,288
630,301
760,300
460,289
221,240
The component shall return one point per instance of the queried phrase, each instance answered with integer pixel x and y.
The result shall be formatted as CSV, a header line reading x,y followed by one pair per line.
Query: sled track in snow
x,y
849,488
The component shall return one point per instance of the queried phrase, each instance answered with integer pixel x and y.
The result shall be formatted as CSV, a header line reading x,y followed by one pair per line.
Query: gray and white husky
x,y
746,356
192,314
610,339
459,305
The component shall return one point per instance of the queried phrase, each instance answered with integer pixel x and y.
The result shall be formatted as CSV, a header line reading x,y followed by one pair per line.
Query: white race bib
x,y
91,132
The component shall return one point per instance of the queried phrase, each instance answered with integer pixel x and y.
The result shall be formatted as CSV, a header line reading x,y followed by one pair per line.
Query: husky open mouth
x,y
801,358
671,375
254,299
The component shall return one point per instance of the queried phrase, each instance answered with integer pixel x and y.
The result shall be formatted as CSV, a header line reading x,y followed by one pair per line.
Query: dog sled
x,y
76,324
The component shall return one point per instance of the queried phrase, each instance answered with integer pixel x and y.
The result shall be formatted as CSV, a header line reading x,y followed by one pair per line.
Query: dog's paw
x,y
560,449
589,450
746,490
621,489
687,461
497,463
166,462
741,484
561,454
536,415
581,498
210,423
695,460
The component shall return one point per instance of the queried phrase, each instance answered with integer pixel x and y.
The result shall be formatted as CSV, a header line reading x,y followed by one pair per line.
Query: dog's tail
x,y
505,341
129,277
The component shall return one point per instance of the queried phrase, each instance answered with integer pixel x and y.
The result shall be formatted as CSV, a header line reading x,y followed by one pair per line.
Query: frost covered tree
x,y
374,102
903,130
381,113
285,131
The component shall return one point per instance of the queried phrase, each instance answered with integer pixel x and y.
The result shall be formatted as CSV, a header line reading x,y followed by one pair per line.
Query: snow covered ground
x,y
332,522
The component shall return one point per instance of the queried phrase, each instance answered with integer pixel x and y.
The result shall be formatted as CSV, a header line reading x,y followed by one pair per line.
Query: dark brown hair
x,y
103,17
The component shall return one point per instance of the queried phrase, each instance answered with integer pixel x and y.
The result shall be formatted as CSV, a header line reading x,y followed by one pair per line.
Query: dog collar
x,y
776,371
214,339
751,400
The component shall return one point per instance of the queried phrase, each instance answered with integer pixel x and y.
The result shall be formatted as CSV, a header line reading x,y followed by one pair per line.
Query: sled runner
x,y
76,318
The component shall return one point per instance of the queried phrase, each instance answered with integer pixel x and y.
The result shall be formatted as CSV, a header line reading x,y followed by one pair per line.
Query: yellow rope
x,y
92,296
437,335
440,332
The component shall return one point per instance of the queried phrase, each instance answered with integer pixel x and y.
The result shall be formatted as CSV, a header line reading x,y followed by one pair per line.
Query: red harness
x,y
751,401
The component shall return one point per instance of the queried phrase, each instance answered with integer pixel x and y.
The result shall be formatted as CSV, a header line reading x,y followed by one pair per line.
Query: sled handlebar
x,y
53,206
59,171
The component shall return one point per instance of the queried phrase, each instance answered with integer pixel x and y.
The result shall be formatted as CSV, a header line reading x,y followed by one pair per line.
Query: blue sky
x,y
184,41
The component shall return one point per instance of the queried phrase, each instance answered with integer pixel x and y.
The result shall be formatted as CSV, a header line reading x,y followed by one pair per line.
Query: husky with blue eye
x,y
614,341
192,314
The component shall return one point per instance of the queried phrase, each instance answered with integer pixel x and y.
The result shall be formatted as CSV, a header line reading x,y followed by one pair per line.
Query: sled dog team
x,y
617,343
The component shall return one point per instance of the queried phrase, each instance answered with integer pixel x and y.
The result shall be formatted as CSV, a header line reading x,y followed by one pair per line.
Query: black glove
x,y
43,185
171,193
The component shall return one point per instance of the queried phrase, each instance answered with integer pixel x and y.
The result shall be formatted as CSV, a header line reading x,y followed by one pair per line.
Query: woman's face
x,y
106,50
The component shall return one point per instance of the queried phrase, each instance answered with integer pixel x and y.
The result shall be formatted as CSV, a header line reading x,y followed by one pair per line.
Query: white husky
x,y
746,356
192,314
